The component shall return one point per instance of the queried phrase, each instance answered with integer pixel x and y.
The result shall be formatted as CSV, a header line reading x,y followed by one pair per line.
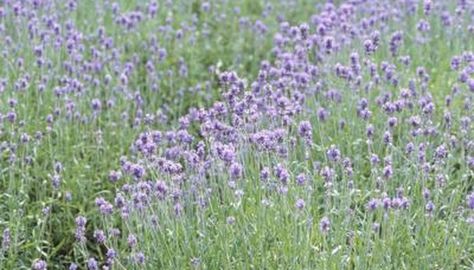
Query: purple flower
x,y
264,174
80,229
96,105
40,265
111,254
470,220
386,203
99,236
324,225
387,137
92,264
328,44
322,114
46,210
225,152
430,207
373,204
333,153
11,116
305,130
137,171
392,122
58,167
470,200
235,170
195,262
6,240
81,221
114,176
455,62
374,159
470,162
470,84
369,46
328,174
105,207
139,258
282,174
230,220
300,204
426,193
409,148
441,152
56,181
132,240
301,179
178,209
387,172
370,131
205,6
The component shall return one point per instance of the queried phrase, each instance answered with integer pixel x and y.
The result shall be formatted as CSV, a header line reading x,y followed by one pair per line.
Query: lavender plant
x,y
237,134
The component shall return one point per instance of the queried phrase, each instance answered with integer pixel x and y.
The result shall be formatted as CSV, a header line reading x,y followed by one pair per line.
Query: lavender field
x,y
236,134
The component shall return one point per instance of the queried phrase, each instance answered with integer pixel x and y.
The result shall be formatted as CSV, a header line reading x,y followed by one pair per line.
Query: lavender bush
x,y
237,134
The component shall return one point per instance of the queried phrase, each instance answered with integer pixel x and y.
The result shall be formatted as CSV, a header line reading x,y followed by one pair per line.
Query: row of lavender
x,y
351,148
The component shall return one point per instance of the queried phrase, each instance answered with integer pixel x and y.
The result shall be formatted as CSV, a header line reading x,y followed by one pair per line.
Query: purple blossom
x,y
387,137
470,84
111,254
301,179
96,105
373,204
328,175
6,239
470,200
92,264
386,203
430,207
264,174
281,173
324,225
105,207
235,170
114,176
40,265
322,114
370,131
138,171
374,159
426,193
80,229
305,130
178,209
132,240
300,204
333,153
387,172
230,220
441,152
139,258
56,181
99,236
